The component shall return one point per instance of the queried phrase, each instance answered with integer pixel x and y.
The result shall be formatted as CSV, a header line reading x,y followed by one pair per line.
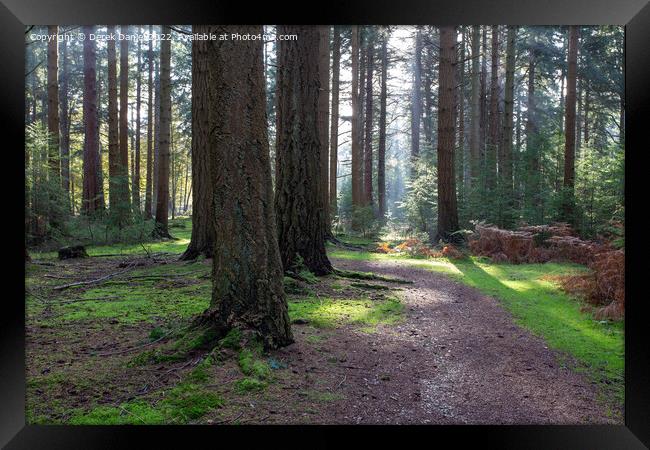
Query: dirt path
x,y
458,358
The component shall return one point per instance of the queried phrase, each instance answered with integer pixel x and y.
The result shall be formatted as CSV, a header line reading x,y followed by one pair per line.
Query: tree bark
x,y
90,196
53,106
115,194
357,183
416,99
381,150
203,232
247,270
123,168
367,154
505,160
323,119
334,135
447,208
156,134
162,198
298,196
150,121
475,133
493,126
65,124
570,126
135,176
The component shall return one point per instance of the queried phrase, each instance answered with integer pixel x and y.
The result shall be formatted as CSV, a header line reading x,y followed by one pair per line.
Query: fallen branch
x,y
83,283
369,276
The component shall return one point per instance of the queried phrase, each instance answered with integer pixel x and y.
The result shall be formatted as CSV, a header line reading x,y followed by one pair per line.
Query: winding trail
x,y
458,358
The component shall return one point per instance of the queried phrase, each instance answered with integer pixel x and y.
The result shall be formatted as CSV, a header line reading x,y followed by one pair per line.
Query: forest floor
x,y
465,342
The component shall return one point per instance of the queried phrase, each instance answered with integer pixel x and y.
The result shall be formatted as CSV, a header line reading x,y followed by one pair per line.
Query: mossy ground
x,y
114,352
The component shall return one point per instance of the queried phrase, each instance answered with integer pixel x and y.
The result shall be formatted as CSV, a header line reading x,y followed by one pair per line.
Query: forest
x,y
324,224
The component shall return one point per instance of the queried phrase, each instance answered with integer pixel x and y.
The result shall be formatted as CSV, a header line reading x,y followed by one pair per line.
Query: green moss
x,y
329,312
232,340
188,402
133,413
249,385
252,366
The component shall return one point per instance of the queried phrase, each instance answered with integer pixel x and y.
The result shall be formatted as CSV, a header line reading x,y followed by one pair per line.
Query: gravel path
x,y
458,358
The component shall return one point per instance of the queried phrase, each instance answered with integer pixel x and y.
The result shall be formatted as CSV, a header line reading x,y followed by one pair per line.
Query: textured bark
x,y
367,153
570,125
493,126
135,175
149,175
460,100
416,98
203,232
505,155
323,118
65,122
115,194
447,208
162,197
532,150
334,135
123,167
90,198
381,150
247,271
53,106
357,183
483,99
475,132
156,134
428,120
298,197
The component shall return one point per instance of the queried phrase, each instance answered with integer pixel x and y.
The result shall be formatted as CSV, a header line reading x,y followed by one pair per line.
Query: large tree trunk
x,y
428,120
381,150
505,155
149,175
447,209
460,107
475,132
416,99
483,105
357,182
367,154
247,270
493,126
90,198
334,135
156,135
323,119
532,142
298,197
203,233
115,194
65,124
53,106
124,206
135,176
162,198
570,126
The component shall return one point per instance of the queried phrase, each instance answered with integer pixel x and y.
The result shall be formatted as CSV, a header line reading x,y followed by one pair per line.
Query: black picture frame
x,y
634,14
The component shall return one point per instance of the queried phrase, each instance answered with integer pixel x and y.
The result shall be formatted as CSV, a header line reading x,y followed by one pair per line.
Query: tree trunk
x,y
357,183
367,154
493,126
483,106
123,168
65,124
53,105
135,176
90,198
460,100
162,198
475,133
570,126
150,121
532,150
334,135
156,134
323,119
247,270
381,150
428,116
505,160
298,197
416,99
203,233
447,209
115,194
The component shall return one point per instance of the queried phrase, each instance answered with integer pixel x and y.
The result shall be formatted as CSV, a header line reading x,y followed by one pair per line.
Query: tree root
x,y
369,276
